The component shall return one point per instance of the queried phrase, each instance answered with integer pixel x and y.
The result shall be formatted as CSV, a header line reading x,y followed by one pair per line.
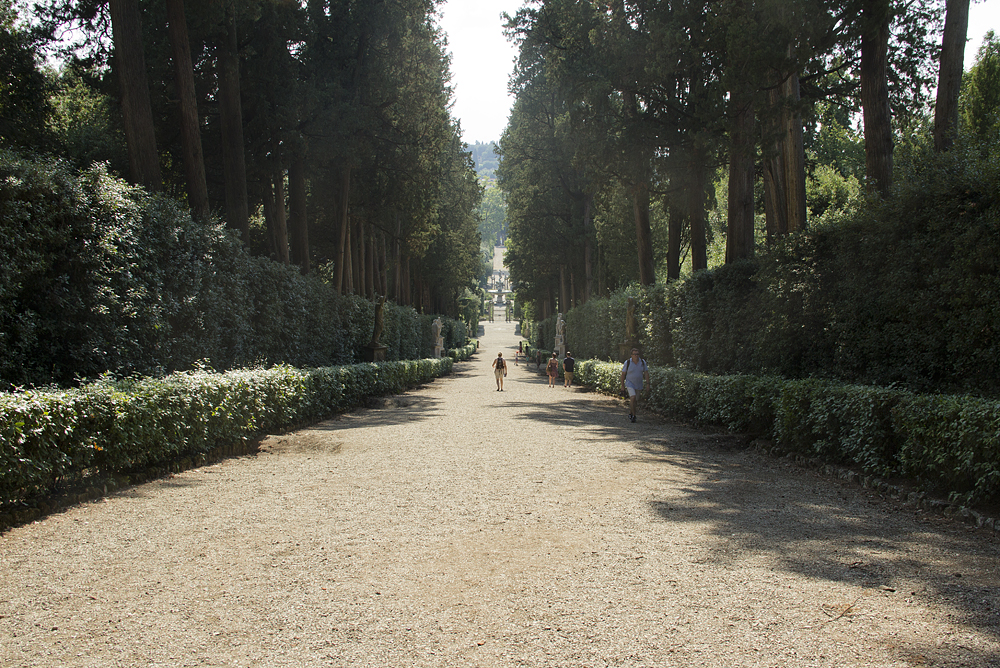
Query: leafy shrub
x,y
950,443
98,276
902,291
116,426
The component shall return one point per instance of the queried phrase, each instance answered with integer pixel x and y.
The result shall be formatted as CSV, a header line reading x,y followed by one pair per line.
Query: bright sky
x,y
482,59
482,62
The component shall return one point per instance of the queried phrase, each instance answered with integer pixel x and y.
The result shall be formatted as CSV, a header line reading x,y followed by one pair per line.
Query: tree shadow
x,y
807,523
394,409
826,528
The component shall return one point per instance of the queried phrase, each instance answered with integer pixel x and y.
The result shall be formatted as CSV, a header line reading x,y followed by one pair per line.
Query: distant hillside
x,y
486,159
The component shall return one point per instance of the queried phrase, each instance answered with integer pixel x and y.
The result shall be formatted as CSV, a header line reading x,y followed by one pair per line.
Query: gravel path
x,y
460,526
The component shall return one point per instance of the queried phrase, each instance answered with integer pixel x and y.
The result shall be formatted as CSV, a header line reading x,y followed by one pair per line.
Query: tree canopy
x,y
320,130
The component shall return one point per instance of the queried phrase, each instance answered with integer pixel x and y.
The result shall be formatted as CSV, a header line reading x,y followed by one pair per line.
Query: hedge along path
x,y
456,525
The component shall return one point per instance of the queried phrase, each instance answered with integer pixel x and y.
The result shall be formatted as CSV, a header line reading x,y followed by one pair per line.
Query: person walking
x,y
568,363
635,377
552,369
499,370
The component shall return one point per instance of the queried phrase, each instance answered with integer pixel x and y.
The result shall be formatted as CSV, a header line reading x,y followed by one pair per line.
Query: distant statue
x,y
631,325
560,327
436,329
379,321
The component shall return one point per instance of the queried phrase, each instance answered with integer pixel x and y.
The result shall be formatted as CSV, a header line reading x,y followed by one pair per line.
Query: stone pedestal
x,y
375,353
560,347
438,347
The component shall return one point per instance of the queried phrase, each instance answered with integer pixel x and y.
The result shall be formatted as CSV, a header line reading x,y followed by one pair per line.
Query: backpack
x,y
501,364
628,362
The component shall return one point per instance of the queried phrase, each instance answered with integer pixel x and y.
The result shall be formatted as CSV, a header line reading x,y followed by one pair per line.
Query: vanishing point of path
x,y
460,526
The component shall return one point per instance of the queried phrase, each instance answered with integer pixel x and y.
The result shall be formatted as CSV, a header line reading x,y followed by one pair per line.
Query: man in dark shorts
x,y
568,363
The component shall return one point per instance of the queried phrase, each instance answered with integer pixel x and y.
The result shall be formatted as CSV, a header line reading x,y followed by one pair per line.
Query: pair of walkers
x,y
634,376
552,369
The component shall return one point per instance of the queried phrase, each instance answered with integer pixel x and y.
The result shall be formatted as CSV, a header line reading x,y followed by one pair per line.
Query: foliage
x,y
979,103
50,439
901,291
101,276
86,123
949,443
492,218
24,103
485,158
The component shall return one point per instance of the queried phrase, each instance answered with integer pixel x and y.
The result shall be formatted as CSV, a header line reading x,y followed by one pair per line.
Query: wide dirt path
x,y
460,526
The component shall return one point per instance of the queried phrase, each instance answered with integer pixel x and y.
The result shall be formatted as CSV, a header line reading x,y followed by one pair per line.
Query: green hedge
x,y
951,444
463,353
54,438
99,276
901,292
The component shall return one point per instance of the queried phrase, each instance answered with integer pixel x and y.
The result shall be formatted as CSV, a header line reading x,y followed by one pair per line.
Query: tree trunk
x,y
696,210
370,266
572,290
231,122
280,217
563,297
588,205
137,113
297,221
407,286
194,161
739,239
342,255
643,234
875,95
794,157
775,224
956,29
396,256
274,216
269,217
362,259
348,263
384,265
675,222
357,261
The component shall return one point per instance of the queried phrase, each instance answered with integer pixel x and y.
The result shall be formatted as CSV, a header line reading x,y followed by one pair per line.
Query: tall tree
x,y
877,117
231,122
980,100
297,221
956,28
137,113
194,161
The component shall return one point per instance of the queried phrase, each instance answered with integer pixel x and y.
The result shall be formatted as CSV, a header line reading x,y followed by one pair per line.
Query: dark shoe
x,y
632,417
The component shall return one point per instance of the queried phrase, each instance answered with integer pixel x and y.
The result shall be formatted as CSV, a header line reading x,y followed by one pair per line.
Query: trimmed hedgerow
x,y
949,443
111,427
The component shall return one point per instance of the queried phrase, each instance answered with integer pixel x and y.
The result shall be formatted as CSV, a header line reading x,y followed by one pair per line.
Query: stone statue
x,y
379,321
436,329
560,327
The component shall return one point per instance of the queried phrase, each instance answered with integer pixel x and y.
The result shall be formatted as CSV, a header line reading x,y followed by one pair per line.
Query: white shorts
x,y
631,390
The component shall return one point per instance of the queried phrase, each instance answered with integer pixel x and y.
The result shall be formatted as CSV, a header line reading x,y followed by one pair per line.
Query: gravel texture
x,y
460,526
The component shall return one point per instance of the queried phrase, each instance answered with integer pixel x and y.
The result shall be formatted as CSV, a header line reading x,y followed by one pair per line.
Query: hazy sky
x,y
482,59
